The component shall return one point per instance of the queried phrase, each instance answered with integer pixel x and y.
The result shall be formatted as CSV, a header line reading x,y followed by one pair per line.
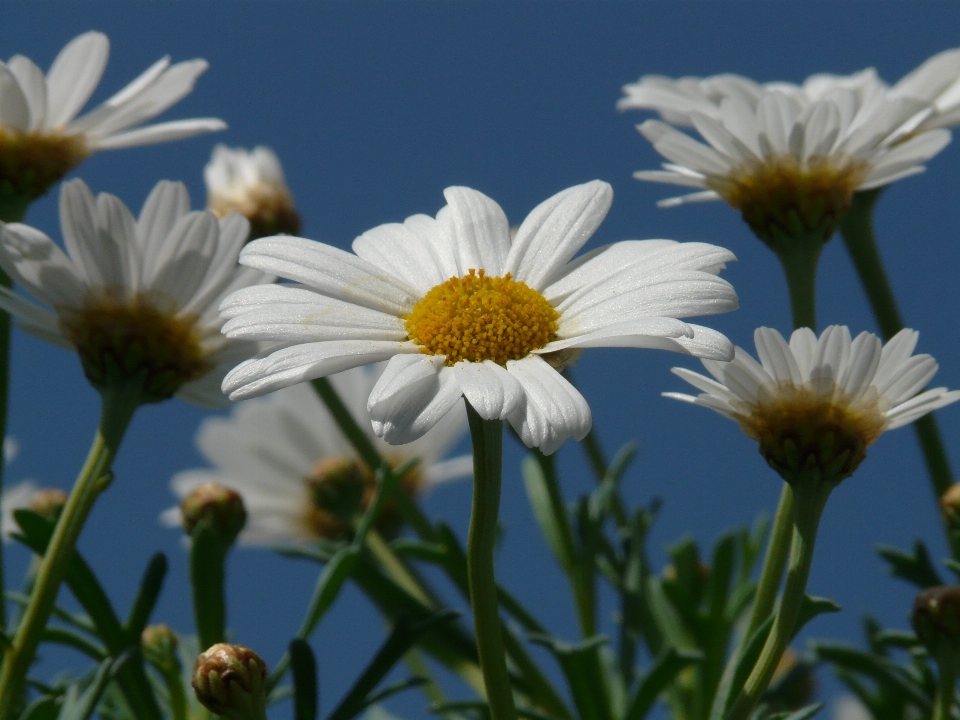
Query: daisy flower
x,y
298,475
41,137
819,403
252,184
46,502
937,81
460,311
136,298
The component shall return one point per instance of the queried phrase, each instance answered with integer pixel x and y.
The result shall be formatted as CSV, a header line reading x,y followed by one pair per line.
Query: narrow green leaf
x,y
733,680
395,689
718,584
583,670
482,710
62,636
303,667
147,595
621,462
84,706
543,511
916,568
667,618
802,714
664,671
43,708
77,620
880,669
426,551
810,607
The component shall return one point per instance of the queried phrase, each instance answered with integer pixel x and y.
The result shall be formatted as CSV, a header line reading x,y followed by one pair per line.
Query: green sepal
x,y
664,670
147,595
916,568
303,667
583,669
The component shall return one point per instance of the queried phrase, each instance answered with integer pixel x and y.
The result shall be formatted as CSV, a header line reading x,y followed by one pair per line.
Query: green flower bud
x,y
219,507
159,644
230,680
936,619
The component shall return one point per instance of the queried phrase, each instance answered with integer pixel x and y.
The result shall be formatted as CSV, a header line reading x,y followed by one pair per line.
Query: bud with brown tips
x,y
217,506
230,680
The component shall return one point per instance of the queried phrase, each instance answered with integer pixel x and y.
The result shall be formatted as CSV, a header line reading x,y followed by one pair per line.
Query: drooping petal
x,y
489,388
412,395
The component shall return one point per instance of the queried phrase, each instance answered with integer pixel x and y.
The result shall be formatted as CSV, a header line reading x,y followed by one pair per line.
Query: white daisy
x,y
13,498
819,403
936,81
252,184
136,298
283,454
41,137
461,311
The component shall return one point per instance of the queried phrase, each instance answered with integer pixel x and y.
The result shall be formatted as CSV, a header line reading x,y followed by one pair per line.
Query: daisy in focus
x,y
819,403
460,311
299,476
252,184
41,137
136,298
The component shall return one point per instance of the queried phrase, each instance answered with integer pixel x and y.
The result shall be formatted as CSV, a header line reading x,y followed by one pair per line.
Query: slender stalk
x,y
487,437
946,685
810,498
858,236
800,266
119,405
178,698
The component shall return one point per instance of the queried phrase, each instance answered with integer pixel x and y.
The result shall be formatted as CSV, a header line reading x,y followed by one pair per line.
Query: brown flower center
x,y
31,163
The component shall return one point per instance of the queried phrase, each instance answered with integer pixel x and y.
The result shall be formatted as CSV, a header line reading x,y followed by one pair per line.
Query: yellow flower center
x,y
31,163
479,318
341,489
821,428
134,340
790,196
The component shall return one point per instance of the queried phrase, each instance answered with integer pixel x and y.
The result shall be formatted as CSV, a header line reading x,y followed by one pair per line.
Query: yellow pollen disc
x,y
30,163
823,429
479,318
123,339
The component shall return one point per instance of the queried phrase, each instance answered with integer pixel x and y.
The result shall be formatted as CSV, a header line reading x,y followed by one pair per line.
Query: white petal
x,y
481,230
639,333
167,203
116,221
864,360
705,196
833,353
397,249
920,405
492,391
412,395
552,409
803,345
894,354
776,357
34,87
684,150
74,76
555,230
36,262
671,178
14,109
912,377
179,265
78,223
705,384
159,133
719,137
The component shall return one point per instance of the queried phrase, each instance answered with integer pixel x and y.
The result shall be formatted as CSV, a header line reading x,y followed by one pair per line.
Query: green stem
x,y
800,266
946,685
487,437
119,405
810,496
858,236
178,698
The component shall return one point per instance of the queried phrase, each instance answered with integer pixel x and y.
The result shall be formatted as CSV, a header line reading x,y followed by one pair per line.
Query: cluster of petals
x,y
846,119
889,377
233,175
31,102
268,446
348,310
185,261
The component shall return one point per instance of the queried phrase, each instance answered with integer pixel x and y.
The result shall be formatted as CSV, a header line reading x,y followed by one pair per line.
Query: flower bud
x,y
219,507
159,644
47,503
950,505
936,619
230,680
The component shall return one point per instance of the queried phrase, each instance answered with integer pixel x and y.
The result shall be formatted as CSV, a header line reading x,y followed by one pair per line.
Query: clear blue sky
x,y
373,109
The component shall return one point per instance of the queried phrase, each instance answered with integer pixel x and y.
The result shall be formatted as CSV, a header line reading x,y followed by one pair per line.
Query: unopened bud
x,y
950,504
936,619
159,644
219,507
47,503
230,680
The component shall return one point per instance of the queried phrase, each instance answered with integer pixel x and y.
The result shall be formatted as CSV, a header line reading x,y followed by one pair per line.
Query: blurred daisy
x,y
936,81
46,502
819,403
461,311
252,184
299,477
41,137
136,298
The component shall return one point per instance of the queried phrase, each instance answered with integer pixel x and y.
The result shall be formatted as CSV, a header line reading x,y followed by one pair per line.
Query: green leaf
x,y
77,620
543,511
147,595
43,708
915,568
880,669
732,681
810,607
583,670
303,667
396,688
401,639
802,714
667,618
426,551
81,708
664,671
62,636
621,462
718,584
482,710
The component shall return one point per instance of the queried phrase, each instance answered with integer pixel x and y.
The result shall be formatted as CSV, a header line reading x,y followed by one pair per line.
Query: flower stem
x,y
858,236
487,437
946,685
810,497
119,405
799,262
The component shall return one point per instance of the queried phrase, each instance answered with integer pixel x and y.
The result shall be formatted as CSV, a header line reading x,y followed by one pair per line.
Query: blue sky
x,y
374,108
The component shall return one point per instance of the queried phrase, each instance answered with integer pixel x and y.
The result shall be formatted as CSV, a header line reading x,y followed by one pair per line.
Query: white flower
x,y
252,184
820,402
936,81
13,498
274,451
461,311
137,298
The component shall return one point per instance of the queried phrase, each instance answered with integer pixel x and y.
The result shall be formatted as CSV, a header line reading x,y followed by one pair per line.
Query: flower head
x,y
13,498
218,507
461,311
788,157
299,477
936,619
136,298
41,137
817,404
231,680
252,184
